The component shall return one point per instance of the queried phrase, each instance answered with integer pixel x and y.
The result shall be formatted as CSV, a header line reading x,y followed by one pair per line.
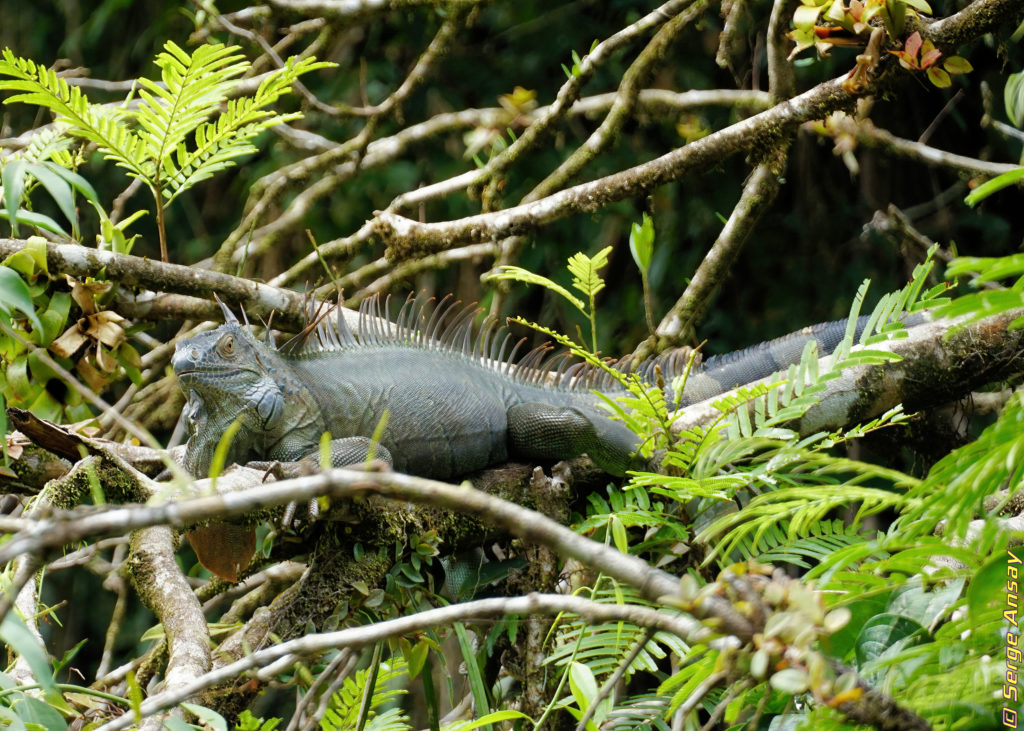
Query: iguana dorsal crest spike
x,y
229,316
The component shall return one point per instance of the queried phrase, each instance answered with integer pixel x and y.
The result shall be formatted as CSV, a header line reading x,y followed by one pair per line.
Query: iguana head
x,y
228,375
227,360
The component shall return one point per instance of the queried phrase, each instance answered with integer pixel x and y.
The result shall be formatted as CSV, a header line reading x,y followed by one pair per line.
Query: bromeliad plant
x,y
181,130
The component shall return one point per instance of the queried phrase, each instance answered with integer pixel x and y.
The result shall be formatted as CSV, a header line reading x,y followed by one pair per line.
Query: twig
x,y
609,684
678,324
406,237
278,656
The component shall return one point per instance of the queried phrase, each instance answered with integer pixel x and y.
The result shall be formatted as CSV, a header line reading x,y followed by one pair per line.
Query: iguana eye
x,y
226,346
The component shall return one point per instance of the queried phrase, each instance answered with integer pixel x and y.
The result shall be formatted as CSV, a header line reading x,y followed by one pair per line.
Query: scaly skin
x,y
450,410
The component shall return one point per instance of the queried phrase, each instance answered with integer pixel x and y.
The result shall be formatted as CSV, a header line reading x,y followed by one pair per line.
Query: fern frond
x,y
48,144
642,710
602,647
193,86
954,491
799,507
41,86
217,143
584,270
509,272
776,545
343,710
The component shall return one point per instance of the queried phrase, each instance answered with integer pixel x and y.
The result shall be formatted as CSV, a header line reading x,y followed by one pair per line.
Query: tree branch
x,y
407,238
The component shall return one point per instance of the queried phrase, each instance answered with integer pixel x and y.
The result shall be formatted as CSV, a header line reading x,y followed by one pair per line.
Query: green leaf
x,y
641,242
997,183
31,259
583,684
220,454
619,535
584,270
34,711
883,632
176,724
989,587
485,720
1013,99
473,672
14,294
35,219
207,716
58,188
957,65
805,16
76,181
938,77
417,658
518,274
13,179
16,635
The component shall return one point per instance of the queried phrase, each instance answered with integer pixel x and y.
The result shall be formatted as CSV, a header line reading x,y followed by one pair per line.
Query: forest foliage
x,y
613,177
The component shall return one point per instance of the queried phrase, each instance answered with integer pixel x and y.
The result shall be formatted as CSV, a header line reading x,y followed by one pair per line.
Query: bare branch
x,y
285,654
408,238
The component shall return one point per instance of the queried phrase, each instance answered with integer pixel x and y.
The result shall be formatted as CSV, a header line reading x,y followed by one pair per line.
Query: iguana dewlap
x,y
455,402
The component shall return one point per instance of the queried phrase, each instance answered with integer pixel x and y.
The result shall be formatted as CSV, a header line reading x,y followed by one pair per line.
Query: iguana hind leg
x,y
541,431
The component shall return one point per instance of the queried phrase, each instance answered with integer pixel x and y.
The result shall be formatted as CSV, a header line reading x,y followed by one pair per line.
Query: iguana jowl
x,y
455,402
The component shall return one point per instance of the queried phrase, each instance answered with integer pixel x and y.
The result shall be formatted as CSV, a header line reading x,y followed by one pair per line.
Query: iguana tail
x,y
721,373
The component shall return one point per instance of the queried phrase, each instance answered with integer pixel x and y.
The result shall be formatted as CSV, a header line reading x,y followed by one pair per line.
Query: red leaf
x,y
931,57
913,44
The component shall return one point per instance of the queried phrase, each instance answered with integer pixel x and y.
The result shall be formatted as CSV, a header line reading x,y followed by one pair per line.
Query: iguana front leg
x,y
541,431
343,452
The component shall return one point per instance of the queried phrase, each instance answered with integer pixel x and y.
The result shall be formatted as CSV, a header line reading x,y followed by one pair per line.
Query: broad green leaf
x,y
176,724
925,606
58,188
75,180
35,711
35,219
12,177
207,716
583,685
12,720
989,587
14,295
882,632
16,635
957,65
30,260
641,242
1013,99
938,77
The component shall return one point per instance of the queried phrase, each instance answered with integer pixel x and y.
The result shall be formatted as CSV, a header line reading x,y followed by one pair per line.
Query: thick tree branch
x,y
977,19
136,271
940,362
406,238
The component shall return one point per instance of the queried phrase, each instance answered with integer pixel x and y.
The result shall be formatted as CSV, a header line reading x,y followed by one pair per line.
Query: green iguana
x,y
456,402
